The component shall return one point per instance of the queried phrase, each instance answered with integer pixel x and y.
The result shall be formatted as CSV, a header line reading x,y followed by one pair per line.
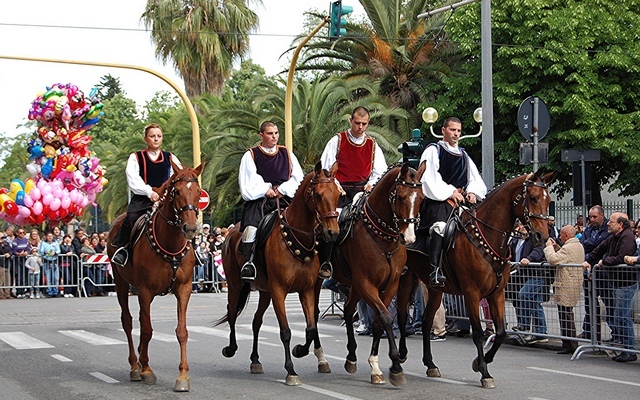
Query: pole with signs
x,y
581,155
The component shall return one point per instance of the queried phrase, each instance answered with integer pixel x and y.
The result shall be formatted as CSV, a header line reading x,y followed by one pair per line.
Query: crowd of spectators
x,y
209,270
44,264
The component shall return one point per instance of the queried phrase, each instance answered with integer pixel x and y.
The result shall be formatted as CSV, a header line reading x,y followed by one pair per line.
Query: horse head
x,y
323,194
532,204
180,195
406,199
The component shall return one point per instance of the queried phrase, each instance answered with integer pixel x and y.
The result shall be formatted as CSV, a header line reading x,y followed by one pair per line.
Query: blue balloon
x,y
20,197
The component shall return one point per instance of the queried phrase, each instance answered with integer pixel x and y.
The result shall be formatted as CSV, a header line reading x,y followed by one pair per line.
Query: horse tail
x,y
242,303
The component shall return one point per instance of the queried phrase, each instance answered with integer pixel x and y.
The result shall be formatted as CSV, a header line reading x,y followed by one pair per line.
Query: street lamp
x,y
430,116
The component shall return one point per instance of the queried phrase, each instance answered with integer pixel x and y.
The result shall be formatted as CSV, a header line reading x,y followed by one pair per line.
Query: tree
x,y
202,38
120,118
394,47
581,57
109,87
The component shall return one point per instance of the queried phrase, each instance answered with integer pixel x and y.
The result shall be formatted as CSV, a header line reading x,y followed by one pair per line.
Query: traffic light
x,y
337,10
412,150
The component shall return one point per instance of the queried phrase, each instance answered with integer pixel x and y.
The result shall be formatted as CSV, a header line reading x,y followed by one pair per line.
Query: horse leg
x,y
479,363
278,297
396,375
263,304
146,332
323,364
407,282
350,364
377,377
122,290
182,296
432,304
307,300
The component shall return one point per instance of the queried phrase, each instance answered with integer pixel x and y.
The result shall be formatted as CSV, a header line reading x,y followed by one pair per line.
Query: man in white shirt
x,y
450,178
269,174
146,169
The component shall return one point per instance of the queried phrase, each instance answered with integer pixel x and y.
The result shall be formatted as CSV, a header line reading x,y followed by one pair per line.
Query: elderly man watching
x,y
568,281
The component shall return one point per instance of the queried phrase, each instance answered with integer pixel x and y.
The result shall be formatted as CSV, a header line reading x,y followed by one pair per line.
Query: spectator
x,y
34,239
593,235
608,279
5,267
19,249
67,263
517,278
57,234
625,288
553,230
203,256
579,225
86,271
33,263
216,251
49,250
567,283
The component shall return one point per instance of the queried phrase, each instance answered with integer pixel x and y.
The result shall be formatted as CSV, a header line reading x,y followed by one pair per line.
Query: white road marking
x,y
61,358
91,338
223,333
445,380
163,337
325,392
275,329
103,377
597,378
22,341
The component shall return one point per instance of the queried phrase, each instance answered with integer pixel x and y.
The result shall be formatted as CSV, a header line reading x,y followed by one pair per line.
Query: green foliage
x,y
120,117
580,57
13,152
109,87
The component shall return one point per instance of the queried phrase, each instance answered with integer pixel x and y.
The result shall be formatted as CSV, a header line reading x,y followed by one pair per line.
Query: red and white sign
x,y
203,201
97,259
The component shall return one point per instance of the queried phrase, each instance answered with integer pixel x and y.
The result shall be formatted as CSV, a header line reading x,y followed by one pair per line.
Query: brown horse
x,y
162,262
477,263
288,263
371,259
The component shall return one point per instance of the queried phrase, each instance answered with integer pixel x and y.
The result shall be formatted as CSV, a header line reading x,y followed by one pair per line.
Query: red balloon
x,y
40,219
63,213
11,208
79,212
31,219
4,190
53,215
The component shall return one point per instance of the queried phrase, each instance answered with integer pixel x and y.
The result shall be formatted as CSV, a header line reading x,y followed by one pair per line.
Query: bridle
x,y
377,225
309,194
523,196
171,194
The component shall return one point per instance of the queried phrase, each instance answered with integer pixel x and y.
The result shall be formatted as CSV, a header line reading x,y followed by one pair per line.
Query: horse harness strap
x,y
177,212
174,259
522,196
291,237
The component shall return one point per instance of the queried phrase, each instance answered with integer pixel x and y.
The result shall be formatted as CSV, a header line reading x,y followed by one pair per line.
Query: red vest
x,y
355,162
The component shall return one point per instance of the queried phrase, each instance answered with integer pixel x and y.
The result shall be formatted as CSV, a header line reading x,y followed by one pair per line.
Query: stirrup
x,y
436,279
248,271
326,270
122,252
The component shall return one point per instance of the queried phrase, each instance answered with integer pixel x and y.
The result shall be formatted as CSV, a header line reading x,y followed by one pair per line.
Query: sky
x,y
111,32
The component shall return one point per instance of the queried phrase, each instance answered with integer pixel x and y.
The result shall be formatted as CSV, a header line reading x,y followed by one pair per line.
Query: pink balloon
x,y
24,211
35,193
46,189
28,201
56,191
66,202
55,204
47,198
85,202
37,208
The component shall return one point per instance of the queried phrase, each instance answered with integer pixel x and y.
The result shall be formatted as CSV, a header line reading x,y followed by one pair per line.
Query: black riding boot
x,y
121,241
435,256
324,254
248,271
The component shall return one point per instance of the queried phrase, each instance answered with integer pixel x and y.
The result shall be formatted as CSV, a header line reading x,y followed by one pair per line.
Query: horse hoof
x,y
474,365
292,380
256,368
488,383
434,373
300,351
378,379
350,366
134,375
324,368
227,352
397,379
403,359
149,378
182,385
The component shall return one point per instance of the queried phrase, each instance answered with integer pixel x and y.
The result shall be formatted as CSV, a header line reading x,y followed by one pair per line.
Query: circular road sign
x,y
203,201
525,118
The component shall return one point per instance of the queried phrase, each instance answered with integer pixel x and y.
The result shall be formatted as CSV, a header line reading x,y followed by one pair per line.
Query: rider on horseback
x,y
269,176
450,173
360,165
145,170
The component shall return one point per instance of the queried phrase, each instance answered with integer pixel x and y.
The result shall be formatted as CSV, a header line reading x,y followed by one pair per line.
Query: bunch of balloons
x,y
65,174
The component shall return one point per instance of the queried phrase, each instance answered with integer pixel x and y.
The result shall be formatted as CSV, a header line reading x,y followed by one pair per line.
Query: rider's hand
x,y
471,198
457,197
154,196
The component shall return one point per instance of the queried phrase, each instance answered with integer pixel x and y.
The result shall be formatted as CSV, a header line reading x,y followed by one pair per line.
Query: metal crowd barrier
x,y
548,312
87,277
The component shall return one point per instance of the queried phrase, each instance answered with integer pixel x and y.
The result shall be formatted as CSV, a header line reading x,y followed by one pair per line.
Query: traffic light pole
x,y
288,100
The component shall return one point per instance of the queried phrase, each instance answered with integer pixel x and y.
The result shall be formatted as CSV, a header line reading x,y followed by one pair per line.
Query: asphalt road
x,y
75,349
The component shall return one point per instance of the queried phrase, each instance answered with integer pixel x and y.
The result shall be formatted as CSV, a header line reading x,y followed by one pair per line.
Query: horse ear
x,y
318,168
550,177
404,169
200,167
421,168
334,169
176,169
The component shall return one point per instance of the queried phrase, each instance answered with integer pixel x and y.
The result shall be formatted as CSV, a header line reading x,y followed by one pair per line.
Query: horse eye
x,y
533,199
317,196
401,199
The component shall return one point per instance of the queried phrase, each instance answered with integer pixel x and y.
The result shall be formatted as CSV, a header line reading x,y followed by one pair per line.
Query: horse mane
x,y
398,164
162,190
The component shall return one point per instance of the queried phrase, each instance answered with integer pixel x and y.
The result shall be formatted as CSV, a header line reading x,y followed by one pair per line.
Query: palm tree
x,y
203,38
395,47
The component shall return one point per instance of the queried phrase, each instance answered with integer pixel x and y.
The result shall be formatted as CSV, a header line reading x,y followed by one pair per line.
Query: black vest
x,y
154,173
273,168
453,167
